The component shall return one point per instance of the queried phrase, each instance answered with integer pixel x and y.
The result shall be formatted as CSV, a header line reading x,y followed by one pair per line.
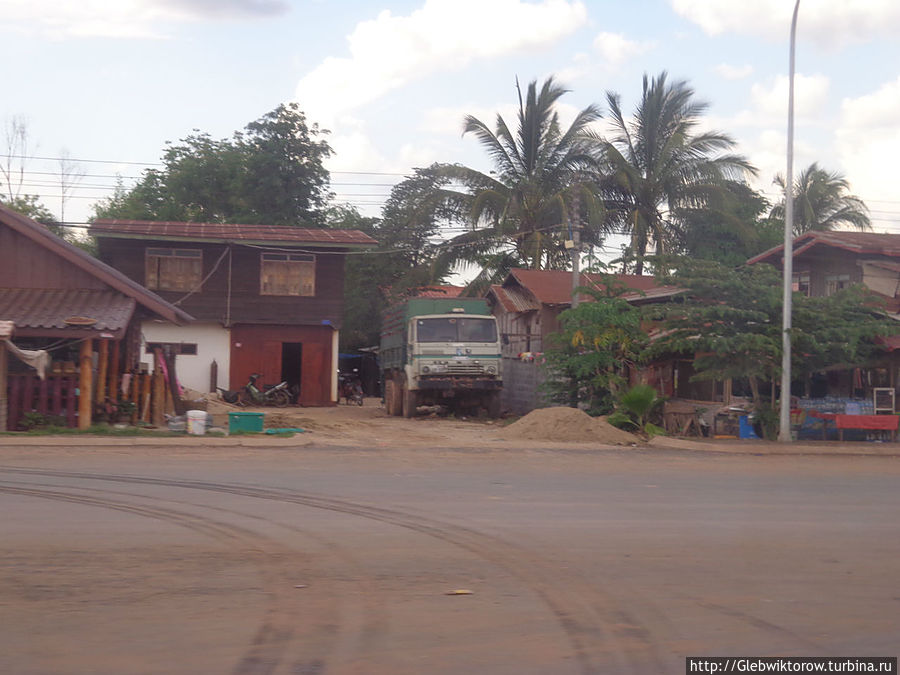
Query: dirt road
x,y
348,557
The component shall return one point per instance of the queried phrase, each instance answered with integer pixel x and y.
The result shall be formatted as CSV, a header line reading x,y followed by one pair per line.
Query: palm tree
x,y
542,174
822,202
660,169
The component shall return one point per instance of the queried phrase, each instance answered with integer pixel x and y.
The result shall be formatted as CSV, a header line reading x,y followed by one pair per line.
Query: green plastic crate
x,y
245,421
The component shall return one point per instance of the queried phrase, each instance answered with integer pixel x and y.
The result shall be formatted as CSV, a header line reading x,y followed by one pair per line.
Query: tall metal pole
x,y
784,431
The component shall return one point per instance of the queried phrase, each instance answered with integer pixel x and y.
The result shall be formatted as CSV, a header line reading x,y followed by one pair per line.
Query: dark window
x,y
456,330
186,348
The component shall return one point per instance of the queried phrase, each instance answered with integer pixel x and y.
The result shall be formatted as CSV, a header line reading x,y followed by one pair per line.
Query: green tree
x,y
272,173
661,170
406,255
730,319
734,227
516,214
822,202
588,360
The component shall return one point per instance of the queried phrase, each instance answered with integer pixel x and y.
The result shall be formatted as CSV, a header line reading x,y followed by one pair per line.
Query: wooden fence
x,y
56,396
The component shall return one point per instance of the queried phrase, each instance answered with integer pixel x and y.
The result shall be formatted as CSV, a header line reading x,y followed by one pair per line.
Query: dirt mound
x,y
566,424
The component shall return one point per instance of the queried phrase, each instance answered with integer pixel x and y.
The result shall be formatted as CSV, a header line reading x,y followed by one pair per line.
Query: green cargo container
x,y
245,421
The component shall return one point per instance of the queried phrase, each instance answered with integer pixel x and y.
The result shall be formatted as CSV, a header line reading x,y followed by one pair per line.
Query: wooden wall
x,y
257,349
25,264
247,305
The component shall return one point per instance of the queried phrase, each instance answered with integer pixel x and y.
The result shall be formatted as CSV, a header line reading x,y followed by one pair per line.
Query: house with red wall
x,y
266,299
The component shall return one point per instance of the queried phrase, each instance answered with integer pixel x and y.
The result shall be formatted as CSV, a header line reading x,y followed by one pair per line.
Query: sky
x,y
103,85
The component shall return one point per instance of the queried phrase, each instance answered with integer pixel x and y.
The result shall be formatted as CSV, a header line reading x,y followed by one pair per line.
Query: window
x,y
836,282
801,283
182,348
287,274
174,269
456,330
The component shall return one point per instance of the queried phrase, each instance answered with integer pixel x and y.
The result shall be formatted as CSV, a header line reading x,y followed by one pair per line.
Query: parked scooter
x,y
350,388
276,395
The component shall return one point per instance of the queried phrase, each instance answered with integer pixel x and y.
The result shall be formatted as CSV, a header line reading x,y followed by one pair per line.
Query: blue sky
x,y
113,80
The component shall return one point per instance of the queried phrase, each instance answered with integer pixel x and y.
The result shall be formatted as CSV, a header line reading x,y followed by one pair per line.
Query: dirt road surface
x,y
377,545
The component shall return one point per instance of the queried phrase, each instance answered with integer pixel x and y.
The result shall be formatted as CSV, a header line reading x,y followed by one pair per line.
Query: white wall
x,y
213,343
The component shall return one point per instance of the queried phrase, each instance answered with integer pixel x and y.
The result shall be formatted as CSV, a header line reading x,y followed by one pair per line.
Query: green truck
x,y
441,351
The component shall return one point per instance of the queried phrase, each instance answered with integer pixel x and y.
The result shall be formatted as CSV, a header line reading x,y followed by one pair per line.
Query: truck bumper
x,y
457,383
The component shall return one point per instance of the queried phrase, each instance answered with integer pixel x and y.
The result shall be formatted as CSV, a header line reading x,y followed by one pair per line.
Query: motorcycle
x,y
350,388
276,395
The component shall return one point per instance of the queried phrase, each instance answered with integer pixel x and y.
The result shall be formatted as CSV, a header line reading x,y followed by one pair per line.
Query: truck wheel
x,y
393,398
493,404
410,401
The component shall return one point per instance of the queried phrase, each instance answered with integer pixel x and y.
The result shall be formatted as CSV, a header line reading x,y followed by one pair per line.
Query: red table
x,y
868,422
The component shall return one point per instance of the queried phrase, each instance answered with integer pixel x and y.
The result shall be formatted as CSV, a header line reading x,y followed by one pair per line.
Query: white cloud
x,y
730,72
391,51
827,22
770,101
615,48
868,141
60,19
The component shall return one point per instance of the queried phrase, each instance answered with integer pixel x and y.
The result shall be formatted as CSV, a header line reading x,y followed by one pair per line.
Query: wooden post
x,y
114,393
135,396
85,384
102,369
3,401
145,397
159,398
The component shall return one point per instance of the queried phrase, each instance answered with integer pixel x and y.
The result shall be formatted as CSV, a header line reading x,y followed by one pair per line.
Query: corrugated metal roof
x,y
42,308
861,243
231,232
439,291
554,287
514,299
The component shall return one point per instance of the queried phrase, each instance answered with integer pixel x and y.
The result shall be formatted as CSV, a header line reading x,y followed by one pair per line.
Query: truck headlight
x,y
426,369
491,370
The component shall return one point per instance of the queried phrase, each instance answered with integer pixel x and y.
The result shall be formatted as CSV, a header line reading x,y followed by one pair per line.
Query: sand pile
x,y
566,424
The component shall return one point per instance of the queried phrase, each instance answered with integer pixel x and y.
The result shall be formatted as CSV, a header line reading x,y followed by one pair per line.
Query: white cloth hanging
x,y
39,359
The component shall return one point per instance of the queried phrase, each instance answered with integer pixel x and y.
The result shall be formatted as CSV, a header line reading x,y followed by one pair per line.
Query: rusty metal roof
x,y
69,309
439,291
221,232
554,287
861,243
514,299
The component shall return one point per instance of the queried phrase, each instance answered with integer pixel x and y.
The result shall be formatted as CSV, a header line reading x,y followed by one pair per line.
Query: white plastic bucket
x,y
196,422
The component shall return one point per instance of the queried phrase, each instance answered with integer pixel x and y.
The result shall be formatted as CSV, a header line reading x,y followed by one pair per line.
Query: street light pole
x,y
784,431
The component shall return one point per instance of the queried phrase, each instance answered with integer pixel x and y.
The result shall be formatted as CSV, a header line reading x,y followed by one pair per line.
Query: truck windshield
x,y
456,330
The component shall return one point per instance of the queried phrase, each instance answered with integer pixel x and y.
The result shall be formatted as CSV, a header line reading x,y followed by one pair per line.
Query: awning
x,y
39,312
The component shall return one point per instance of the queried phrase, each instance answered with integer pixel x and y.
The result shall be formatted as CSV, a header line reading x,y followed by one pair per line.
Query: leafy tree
x,y
406,256
822,202
516,213
272,173
588,359
661,169
730,319
734,227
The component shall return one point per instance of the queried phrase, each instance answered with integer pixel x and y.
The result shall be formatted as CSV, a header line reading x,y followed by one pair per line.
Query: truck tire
x,y
393,398
410,401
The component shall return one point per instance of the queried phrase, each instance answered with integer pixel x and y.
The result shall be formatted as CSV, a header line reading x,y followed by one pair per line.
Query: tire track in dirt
x,y
598,630
282,616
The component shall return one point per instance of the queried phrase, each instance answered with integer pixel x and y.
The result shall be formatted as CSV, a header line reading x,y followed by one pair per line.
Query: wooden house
x,y
267,299
825,262
527,306
83,315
